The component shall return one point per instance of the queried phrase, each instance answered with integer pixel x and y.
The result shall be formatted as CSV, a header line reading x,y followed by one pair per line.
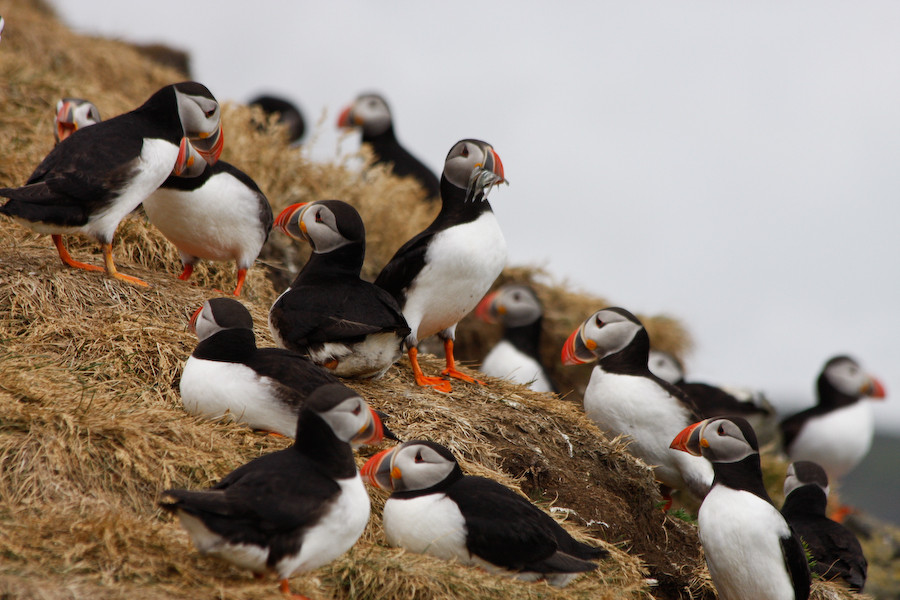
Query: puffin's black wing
x,y
405,164
507,530
291,369
406,263
836,550
796,564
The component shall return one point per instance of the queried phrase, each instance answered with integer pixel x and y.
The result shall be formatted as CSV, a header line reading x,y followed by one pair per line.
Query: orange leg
x,y
111,268
286,590
242,275
437,383
186,273
67,258
451,371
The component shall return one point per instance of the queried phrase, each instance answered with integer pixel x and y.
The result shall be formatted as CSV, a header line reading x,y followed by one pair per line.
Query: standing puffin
x,y
624,398
228,375
516,356
750,549
435,509
837,432
835,548
218,214
443,272
91,180
294,510
370,112
328,313
713,401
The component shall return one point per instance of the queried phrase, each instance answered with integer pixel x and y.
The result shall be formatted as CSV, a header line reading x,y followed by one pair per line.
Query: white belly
x,y
507,362
460,265
218,221
639,408
221,390
838,441
741,535
429,524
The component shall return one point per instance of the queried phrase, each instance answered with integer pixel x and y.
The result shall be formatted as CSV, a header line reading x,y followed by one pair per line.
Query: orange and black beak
x,y
192,324
346,118
691,439
577,350
190,163
495,165
66,123
210,145
488,309
378,472
290,221
874,389
371,433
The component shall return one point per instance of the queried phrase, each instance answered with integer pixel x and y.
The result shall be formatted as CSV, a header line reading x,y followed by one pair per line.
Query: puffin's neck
x,y
631,360
317,441
383,139
457,207
229,345
455,475
344,262
526,338
806,499
743,475
829,397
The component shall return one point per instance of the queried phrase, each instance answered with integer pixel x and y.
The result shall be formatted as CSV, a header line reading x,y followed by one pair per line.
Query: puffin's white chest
x,y
217,221
461,263
640,408
741,534
214,389
507,362
837,440
429,524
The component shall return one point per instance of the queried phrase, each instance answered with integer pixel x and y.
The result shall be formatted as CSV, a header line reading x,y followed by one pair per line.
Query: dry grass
x,y
91,426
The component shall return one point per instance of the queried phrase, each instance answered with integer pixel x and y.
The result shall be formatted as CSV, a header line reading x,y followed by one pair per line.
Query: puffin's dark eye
x,y
721,430
318,216
419,457
358,409
210,113
465,151
600,322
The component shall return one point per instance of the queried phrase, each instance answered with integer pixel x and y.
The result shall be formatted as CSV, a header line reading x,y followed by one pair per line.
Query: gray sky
x,y
733,165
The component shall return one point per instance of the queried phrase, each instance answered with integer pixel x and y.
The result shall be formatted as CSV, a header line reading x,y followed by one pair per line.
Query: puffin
x,y
750,549
341,322
227,375
435,509
218,214
837,432
623,397
92,179
516,356
442,273
836,550
287,113
371,113
713,401
294,510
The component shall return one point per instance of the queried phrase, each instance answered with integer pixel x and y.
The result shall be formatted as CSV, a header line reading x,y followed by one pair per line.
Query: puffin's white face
x,y
72,114
370,112
605,332
805,473
219,314
665,366
721,440
473,165
352,421
203,323
319,225
846,376
417,467
516,306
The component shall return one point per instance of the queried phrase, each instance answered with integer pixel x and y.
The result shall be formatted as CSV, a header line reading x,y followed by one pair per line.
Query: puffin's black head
x,y
473,166
345,412
411,466
803,473
514,305
606,332
666,366
218,314
326,224
843,380
719,440
72,114
370,112
288,114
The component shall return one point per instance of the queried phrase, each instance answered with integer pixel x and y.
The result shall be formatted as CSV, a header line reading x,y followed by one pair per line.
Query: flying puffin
x,y
712,401
517,355
228,375
624,398
835,548
218,213
328,313
294,510
370,112
443,272
750,549
837,432
91,180
435,509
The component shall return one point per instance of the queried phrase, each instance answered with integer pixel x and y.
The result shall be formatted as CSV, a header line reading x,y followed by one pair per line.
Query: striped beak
x,y
577,350
690,439
345,119
209,145
874,389
377,470
190,163
66,124
496,166
290,221
488,310
371,433
192,324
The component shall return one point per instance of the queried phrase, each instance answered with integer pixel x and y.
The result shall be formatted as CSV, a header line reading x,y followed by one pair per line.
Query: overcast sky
x,y
733,165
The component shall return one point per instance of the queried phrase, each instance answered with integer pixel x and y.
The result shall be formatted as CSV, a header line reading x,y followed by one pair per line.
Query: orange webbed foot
x,y
286,590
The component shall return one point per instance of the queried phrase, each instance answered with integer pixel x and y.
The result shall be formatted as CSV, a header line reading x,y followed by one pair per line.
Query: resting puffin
x,y
443,272
435,509
289,115
750,549
91,180
624,398
371,113
837,432
228,375
835,548
218,214
516,356
712,401
294,510
328,313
